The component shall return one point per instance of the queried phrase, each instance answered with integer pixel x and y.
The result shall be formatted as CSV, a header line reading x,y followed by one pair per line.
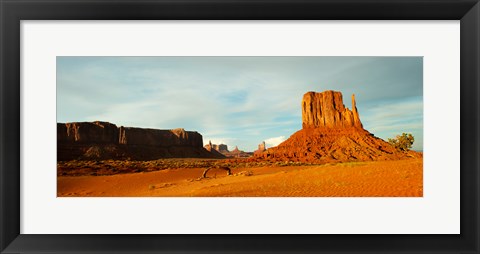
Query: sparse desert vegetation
x,y
113,167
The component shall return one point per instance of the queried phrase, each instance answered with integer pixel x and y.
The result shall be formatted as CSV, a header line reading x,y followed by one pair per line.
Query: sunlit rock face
x,y
326,109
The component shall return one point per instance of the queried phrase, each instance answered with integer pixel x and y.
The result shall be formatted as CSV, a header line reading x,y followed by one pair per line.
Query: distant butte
x,y
332,133
223,149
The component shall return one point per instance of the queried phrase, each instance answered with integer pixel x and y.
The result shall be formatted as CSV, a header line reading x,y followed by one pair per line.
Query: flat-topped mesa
x,y
87,132
108,133
155,137
326,109
103,140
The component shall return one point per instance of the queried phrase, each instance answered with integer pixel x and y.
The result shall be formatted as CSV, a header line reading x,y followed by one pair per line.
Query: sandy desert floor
x,y
403,178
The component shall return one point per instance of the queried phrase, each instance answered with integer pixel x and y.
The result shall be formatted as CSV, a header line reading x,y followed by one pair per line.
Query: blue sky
x,y
239,101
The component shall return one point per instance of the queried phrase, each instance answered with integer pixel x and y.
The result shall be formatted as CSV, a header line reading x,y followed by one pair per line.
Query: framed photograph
x,y
239,126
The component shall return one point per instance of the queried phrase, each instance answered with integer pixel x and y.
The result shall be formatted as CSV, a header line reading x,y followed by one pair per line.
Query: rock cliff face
x,y
86,132
331,133
102,140
154,137
326,109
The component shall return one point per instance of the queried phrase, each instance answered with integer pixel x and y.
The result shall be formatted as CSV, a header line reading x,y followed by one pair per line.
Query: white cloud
x,y
387,120
271,142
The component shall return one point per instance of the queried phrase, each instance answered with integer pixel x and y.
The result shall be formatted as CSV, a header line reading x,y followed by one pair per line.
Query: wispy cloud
x,y
390,118
271,142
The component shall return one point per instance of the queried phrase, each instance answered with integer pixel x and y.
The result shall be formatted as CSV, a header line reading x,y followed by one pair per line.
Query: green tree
x,y
403,142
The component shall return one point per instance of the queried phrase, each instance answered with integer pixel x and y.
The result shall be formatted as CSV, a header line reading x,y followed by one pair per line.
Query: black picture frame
x,y
13,11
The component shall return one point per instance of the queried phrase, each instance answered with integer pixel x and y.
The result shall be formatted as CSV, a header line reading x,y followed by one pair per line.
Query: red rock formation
x,y
329,145
154,137
209,146
87,132
222,148
102,140
331,132
261,148
237,153
326,109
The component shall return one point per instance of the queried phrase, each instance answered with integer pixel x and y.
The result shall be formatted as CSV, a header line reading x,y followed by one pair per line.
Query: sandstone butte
x,y
103,140
217,150
261,148
332,133
223,149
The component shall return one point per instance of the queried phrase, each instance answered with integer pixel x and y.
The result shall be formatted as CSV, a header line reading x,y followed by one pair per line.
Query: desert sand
x,y
399,178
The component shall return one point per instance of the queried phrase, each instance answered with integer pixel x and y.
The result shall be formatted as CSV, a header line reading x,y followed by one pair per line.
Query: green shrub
x,y
403,142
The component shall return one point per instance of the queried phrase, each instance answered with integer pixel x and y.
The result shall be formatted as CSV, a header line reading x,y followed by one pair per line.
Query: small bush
x,y
403,142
